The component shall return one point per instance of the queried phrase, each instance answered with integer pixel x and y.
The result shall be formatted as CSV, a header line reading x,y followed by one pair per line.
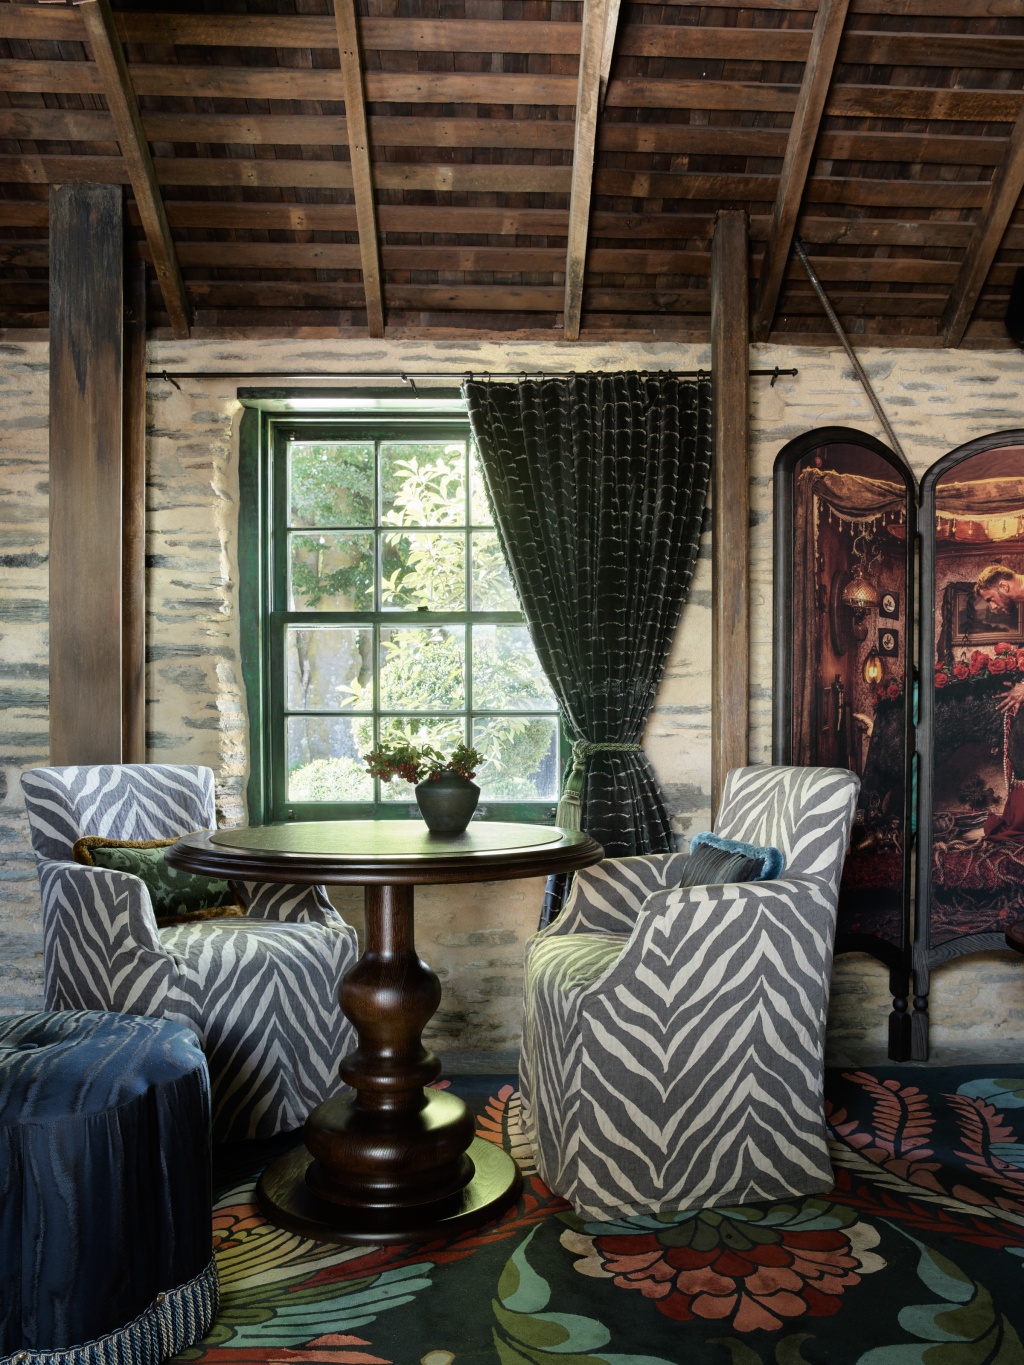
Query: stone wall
x,y
24,664
196,708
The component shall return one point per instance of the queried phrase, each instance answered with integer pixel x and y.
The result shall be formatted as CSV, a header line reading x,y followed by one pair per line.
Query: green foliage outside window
x,y
421,668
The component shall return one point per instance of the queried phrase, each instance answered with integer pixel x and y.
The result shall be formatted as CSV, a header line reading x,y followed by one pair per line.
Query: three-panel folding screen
x,y
899,654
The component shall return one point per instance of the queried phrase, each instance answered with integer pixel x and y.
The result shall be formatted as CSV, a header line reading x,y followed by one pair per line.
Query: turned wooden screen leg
x,y
388,1160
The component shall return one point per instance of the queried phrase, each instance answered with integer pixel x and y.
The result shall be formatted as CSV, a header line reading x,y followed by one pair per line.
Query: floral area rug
x,y
916,1257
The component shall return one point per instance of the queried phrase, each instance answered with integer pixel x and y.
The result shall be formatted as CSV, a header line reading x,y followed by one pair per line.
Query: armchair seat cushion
x,y
561,969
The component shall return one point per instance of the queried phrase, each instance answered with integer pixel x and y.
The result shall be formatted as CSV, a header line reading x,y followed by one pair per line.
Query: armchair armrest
x,y
110,909
290,904
696,945
608,897
100,940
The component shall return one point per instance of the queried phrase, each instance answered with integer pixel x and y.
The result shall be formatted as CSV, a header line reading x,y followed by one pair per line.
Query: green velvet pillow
x,y
178,897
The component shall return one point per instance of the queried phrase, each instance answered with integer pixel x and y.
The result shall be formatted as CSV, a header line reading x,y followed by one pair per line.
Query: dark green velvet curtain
x,y
598,483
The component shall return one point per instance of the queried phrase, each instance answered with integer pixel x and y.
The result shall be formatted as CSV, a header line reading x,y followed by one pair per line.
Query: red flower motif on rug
x,y
753,1268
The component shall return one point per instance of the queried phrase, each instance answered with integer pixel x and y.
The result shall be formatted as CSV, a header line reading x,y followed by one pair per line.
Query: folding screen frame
x,y
926,956
897,957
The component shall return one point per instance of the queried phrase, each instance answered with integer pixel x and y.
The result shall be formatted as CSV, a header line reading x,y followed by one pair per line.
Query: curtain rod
x,y
411,378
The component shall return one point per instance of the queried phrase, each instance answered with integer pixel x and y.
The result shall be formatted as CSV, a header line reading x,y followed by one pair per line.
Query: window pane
x,y
423,483
479,509
521,755
424,569
324,762
329,668
422,668
331,571
330,485
506,674
442,732
492,587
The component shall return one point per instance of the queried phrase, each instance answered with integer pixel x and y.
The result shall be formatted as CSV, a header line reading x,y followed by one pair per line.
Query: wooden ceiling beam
x,y
503,179
298,130
108,55
513,91
647,304
598,17
410,34
359,154
1004,196
611,40
803,134
462,221
507,262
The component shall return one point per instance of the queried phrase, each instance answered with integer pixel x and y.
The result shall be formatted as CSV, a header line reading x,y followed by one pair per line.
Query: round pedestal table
x,y
387,1161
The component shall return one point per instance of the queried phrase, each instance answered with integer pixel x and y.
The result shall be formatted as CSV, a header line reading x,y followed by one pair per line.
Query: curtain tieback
x,y
567,816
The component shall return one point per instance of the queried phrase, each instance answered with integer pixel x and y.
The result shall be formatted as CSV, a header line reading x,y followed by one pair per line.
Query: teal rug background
x,y
915,1258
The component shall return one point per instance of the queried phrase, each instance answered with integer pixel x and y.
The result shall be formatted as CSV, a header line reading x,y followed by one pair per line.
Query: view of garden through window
x,y
401,622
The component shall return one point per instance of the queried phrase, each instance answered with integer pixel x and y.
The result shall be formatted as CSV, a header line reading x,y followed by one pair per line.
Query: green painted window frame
x,y
269,417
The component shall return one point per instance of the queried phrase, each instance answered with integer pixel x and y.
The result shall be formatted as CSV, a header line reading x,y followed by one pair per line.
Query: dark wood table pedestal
x,y
1015,936
389,1161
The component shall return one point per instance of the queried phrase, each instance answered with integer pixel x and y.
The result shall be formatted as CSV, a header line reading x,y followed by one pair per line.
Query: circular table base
x,y
284,1197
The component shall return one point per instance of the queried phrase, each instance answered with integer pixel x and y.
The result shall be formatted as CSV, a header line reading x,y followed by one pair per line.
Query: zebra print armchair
x,y
673,1048
261,992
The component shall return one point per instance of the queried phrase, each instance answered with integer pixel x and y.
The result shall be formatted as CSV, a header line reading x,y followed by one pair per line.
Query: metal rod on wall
x,y
411,379
837,327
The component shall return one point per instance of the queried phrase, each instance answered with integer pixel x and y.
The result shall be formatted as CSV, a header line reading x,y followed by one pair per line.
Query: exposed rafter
x,y
108,55
598,39
995,217
359,152
611,23
803,133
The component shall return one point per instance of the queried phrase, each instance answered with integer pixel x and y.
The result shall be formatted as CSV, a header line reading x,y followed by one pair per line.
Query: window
x,y
389,614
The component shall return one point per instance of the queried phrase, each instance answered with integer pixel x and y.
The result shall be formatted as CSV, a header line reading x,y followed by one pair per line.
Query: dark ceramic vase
x,y
447,802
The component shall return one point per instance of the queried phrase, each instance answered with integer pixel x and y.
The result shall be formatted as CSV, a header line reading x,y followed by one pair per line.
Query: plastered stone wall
x,y
24,666
473,936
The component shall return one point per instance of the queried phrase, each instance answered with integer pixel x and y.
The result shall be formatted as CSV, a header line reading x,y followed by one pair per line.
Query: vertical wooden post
x,y
86,252
133,535
730,499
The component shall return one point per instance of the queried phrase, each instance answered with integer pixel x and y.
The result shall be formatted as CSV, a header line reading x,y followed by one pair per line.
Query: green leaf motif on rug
x,y
527,1335
293,1311
963,1329
787,1351
1005,1092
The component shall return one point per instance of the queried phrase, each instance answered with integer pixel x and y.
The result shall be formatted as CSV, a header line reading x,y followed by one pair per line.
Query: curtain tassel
x,y
567,816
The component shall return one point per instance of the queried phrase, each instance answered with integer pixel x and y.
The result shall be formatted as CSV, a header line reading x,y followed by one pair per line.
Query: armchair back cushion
x,y
118,801
803,812
176,897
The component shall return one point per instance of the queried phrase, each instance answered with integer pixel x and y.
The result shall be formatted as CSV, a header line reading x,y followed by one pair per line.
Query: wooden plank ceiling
x,y
902,176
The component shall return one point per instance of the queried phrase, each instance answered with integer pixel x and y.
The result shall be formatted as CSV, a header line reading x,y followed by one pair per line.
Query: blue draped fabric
x,y
105,1186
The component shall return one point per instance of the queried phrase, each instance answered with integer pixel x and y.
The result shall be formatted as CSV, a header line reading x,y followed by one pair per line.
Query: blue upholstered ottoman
x,y
105,1234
